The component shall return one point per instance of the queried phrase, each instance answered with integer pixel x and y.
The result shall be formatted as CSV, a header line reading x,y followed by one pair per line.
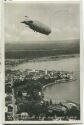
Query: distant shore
x,y
47,58
54,58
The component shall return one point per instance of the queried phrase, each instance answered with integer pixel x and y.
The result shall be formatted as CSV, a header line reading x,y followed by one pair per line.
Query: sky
x,y
62,18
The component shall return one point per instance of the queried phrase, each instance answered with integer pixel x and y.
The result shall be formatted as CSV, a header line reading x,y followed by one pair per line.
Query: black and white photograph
x,y
42,61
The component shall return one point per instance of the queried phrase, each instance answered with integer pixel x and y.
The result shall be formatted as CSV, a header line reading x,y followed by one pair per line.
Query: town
x,y
24,97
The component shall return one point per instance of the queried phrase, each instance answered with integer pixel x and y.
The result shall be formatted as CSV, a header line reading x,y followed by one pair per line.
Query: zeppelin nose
x,y
22,22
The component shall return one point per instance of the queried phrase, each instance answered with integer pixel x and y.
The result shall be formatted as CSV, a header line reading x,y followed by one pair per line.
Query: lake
x,y
63,91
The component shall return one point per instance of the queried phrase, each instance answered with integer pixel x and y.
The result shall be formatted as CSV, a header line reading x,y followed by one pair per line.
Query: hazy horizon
x,y
63,43
41,50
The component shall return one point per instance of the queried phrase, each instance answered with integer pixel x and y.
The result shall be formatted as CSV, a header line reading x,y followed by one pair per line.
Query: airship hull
x,y
39,27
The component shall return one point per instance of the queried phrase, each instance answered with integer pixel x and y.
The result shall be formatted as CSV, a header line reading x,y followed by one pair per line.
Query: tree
x,y
74,112
20,94
50,101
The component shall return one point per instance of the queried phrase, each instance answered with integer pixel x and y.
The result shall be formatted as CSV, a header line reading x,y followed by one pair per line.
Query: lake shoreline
x,y
59,82
56,83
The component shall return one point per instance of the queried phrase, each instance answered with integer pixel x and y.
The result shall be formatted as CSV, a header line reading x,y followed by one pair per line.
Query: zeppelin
x,y
37,26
